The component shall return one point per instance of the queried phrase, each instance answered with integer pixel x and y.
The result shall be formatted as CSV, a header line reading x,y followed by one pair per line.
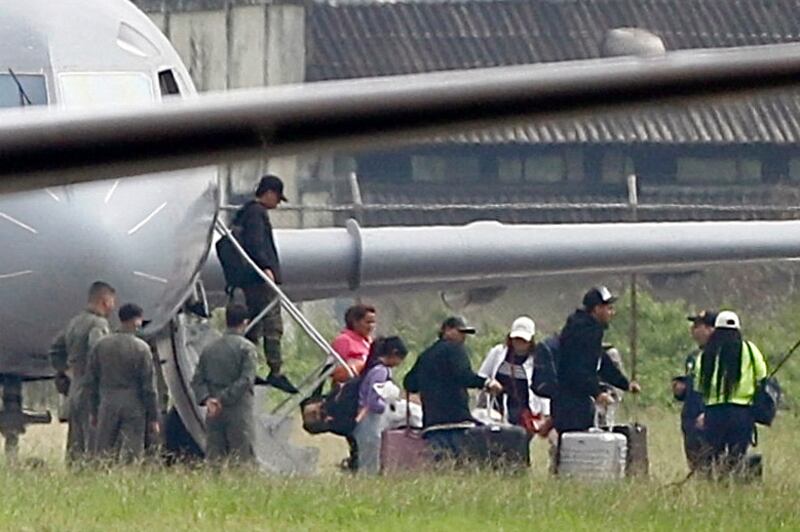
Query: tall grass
x,y
50,498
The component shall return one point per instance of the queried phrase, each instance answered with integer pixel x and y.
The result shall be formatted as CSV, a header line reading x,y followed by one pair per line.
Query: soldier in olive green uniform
x,y
152,441
69,354
223,382
121,387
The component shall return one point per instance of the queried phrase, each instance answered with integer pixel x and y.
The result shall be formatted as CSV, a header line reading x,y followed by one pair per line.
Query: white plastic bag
x,y
491,414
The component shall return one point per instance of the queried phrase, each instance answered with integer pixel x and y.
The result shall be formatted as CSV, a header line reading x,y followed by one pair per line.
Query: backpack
x,y
235,268
342,407
545,362
766,401
767,396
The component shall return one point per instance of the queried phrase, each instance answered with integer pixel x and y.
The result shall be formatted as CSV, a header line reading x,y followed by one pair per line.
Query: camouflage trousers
x,y
120,425
229,436
80,433
270,328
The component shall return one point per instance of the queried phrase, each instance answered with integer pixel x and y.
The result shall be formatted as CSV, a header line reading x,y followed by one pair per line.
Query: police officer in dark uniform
x,y
582,363
442,375
257,240
694,442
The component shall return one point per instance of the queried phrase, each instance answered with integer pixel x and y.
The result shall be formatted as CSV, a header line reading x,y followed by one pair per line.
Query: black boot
x,y
276,378
280,382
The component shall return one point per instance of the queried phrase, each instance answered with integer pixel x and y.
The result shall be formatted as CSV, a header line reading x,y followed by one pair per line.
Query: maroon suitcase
x,y
404,450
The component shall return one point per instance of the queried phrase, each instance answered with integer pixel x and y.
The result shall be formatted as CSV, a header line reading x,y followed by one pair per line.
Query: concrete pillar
x,y
286,44
247,30
286,168
285,62
161,20
201,39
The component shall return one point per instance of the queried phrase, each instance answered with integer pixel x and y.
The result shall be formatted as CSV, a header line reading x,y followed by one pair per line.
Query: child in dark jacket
x,y
386,353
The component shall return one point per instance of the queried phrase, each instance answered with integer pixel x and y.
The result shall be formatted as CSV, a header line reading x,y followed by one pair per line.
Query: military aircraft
x,y
105,173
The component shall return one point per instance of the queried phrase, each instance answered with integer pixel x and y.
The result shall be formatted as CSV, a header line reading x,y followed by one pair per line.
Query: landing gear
x,y
13,419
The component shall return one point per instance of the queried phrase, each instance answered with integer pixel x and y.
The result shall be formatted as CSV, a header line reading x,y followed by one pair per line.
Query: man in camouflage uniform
x,y
223,382
257,240
69,354
121,389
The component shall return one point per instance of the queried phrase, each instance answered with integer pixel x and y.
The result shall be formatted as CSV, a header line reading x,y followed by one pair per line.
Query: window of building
x,y
428,168
545,168
387,167
794,169
616,167
509,169
718,170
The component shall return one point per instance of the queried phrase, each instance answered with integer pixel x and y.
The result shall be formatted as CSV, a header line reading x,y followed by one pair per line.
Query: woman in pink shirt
x,y
353,345
354,341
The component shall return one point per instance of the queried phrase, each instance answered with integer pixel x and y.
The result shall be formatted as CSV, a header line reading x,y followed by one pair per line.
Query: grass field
x,y
47,497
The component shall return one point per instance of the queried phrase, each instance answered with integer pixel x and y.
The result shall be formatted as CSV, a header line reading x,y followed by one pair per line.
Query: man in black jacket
x,y
442,375
583,362
694,443
257,239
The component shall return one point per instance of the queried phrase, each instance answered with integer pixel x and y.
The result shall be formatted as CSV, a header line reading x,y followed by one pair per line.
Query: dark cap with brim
x,y
458,322
599,295
706,317
271,182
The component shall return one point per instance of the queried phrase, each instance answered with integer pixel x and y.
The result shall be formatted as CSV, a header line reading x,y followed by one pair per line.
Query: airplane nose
x,y
147,236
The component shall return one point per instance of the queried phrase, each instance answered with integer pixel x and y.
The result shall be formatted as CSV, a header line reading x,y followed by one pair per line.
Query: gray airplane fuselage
x,y
147,236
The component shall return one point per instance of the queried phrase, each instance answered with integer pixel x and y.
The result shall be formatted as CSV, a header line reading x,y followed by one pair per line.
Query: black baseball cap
x,y
706,317
458,322
599,295
271,182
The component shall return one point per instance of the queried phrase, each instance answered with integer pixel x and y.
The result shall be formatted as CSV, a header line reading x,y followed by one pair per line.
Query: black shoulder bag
x,y
767,396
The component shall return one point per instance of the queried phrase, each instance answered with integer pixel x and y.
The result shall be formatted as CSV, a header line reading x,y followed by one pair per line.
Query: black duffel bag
x,y
766,401
767,396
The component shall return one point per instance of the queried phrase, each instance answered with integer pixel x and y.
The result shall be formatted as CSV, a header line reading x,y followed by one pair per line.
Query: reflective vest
x,y
753,369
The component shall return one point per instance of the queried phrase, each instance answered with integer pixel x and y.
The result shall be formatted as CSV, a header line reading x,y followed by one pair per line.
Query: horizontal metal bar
x,y
42,148
287,304
349,207
261,315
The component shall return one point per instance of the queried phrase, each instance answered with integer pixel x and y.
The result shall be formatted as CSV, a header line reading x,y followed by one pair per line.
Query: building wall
x,y
567,165
234,45
229,44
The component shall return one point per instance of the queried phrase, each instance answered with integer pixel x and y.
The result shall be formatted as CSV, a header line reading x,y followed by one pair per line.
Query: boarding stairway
x,y
273,427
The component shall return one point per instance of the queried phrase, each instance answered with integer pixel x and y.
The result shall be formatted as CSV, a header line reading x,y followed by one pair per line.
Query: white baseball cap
x,y
524,328
727,319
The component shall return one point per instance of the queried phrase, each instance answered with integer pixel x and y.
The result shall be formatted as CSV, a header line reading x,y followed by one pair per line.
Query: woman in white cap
x,y
727,375
511,363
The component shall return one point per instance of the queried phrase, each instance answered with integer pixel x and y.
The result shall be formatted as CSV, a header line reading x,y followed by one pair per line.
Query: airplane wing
x,y
327,262
46,147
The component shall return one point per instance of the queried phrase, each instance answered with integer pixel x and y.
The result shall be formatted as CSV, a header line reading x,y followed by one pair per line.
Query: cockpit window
x,y
33,90
105,89
168,83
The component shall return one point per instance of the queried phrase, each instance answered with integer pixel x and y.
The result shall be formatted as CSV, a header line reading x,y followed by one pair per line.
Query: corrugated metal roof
x,y
377,39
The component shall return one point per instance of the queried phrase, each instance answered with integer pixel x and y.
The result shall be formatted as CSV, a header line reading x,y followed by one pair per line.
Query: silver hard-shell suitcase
x,y
595,455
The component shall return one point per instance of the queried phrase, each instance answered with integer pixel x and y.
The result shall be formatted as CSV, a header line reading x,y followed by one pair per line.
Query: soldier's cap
x,y
599,295
458,322
271,182
705,317
130,311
